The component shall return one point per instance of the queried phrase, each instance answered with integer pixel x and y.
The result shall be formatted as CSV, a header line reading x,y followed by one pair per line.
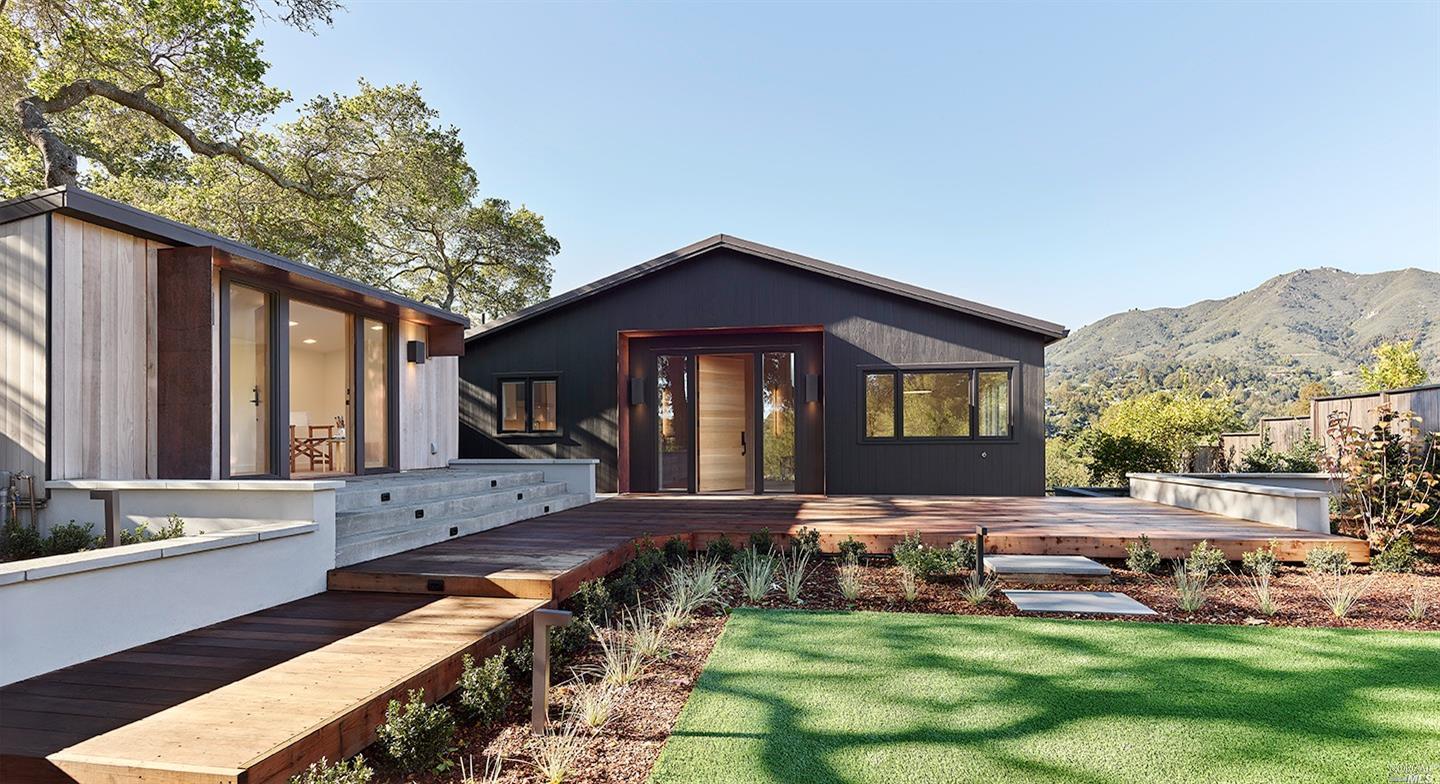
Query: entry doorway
x,y
726,421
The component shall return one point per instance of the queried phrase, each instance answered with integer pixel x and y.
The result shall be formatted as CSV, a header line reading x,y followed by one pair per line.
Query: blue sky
x,y
1064,160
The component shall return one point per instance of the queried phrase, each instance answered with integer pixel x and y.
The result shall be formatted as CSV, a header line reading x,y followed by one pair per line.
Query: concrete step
x,y
1047,569
468,503
353,549
411,487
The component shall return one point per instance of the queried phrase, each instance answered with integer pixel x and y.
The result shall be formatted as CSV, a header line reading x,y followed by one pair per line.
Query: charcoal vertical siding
x,y
730,288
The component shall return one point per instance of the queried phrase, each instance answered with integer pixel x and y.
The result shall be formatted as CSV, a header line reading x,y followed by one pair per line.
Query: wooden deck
x,y
545,558
249,700
259,697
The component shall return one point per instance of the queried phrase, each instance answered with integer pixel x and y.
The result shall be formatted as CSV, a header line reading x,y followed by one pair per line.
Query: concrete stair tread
x,y
1077,602
1045,564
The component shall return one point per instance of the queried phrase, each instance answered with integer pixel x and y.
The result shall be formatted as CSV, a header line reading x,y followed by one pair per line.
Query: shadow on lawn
x,y
1308,682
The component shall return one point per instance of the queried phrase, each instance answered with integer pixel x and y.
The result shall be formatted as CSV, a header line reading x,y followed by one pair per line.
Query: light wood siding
x,y
104,331
429,405
22,340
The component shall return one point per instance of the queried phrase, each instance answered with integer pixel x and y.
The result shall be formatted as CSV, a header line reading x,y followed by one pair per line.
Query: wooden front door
x,y
725,413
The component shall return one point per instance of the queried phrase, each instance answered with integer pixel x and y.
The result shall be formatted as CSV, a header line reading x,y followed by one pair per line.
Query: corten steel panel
x,y
726,288
184,360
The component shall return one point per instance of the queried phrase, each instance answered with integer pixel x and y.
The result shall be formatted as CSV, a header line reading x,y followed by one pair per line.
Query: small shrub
x,y
649,562
1140,556
720,550
173,528
1341,590
909,584
852,549
1191,586
928,563
621,663
591,601
676,550
978,588
416,736
962,554
1326,559
761,541
71,537
555,755
623,590
794,569
848,578
1400,556
689,588
352,771
1205,560
756,570
646,631
1261,561
484,690
807,540
566,642
19,541
519,661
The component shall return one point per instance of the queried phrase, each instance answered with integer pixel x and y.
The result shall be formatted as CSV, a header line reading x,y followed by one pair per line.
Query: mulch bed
x,y
626,749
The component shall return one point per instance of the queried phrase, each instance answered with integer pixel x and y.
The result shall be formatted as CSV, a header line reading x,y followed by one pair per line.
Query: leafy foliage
x,y
649,561
720,550
1169,422
1303,456
1205,560
1400,556
761,540
1397,365
1140,556
756,570
1109,457
173,528
417,735
592,601
351,771
852,550
676,550
931,563
1260,561
484,690
1325,559
807,540
1391,476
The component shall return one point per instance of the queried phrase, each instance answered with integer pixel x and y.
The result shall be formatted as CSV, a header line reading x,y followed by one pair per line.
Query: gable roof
x,y
1049,330
123,217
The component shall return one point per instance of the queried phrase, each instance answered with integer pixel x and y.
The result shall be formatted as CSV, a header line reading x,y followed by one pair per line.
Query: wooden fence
x,y
1282,432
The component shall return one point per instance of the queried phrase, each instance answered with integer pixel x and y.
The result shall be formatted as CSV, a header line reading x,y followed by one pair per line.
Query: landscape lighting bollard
x,y
980,532
542,620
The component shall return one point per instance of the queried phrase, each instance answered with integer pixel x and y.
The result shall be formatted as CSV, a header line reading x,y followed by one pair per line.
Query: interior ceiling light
x,y
308,340
377,327
294,323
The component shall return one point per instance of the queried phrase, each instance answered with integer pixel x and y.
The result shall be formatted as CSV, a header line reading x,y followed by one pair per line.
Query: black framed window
x,y
529,404
918,404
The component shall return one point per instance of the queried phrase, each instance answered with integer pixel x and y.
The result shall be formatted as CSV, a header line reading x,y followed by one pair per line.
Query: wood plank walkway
x,y
547,557
252,699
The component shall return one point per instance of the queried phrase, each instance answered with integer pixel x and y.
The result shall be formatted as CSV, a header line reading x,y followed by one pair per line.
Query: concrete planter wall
x,y
65,609
1319,482
1285,507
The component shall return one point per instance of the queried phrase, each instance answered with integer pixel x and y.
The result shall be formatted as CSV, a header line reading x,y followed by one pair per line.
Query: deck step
x,y
1077,602
410,534
411,487
1047,569
424,511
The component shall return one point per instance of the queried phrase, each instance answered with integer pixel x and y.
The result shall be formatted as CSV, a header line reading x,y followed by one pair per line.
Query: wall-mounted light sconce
x,y
812,387
415,351
637,391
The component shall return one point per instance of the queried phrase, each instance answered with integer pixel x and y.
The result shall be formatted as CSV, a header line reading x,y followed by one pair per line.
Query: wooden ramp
x,y
250,700
547,557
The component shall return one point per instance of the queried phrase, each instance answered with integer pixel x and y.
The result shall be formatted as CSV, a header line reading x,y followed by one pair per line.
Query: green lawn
x,y
818,697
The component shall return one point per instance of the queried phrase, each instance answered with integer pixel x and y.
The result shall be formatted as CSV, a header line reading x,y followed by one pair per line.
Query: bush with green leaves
x,y
807,540
592,602
1390,476
417,736
173,528
721,550
1262,561
1110,457
566,642
1326,559
649,561
1400,556
519,660
852,550
1303,456
1205,560
19,541
962,553
676,550
1140,556
761,541
624,591
484,690
926,562
351,771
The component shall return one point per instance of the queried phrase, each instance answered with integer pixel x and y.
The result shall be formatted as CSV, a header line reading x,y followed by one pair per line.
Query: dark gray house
x,y
729,366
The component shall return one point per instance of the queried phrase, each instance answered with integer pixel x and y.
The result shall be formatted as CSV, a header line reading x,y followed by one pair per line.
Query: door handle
x,y
742,443
255,400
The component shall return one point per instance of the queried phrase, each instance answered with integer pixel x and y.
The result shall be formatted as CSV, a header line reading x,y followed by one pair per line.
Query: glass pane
x,y
673,411
993,404
249,393
322,361
936,404
879,405
377,404
542,405
779,401
512,406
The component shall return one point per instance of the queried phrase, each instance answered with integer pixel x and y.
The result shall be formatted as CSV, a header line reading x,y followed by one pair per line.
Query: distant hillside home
x,y
136,347
729,366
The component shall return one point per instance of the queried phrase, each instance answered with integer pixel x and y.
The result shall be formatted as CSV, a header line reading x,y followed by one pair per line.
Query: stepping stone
x,y
1043,569
1087,602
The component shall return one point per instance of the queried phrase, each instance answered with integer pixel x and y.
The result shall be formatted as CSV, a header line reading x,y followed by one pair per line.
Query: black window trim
x,y
1011,369
528,379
